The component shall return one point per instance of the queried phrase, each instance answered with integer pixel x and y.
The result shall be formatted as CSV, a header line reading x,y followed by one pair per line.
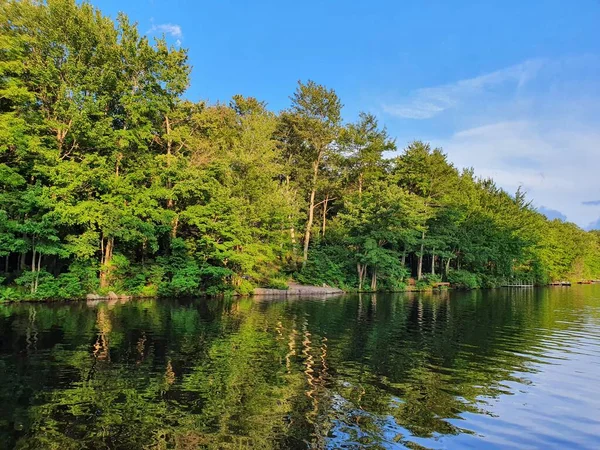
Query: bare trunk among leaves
x,y
325,214
311,210
105,270
420,263
362,272
374,280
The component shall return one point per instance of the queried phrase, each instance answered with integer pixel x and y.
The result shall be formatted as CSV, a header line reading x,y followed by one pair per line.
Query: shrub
x,y
219,289
8,294
462,279
87,274
277,283
185,282
70,286
489,281
245,287
149,290
432,278
135,283
328,265
422,285
399,286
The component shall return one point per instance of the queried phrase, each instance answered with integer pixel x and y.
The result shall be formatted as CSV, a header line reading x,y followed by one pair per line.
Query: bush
x,y
277,283
422,285
462,279
150,290
245,287
399,286
87,274
432,278
219,289
67,285
185,282
329,265
8,294
489,281
135,283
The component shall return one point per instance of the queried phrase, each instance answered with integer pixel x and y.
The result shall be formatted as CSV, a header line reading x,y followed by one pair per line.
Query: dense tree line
x,y
111,180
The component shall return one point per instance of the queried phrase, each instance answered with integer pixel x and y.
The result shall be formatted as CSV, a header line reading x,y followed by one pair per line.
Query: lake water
x,y
483,369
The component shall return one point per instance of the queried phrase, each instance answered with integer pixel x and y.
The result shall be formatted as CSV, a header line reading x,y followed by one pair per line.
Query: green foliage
x,y
278,283
8,294
432,278
245,287
330,265
68,285
462,279
490,281
111,181
185,282
422,285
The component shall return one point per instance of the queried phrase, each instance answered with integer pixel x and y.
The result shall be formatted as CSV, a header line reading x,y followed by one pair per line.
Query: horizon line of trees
x,y
111,180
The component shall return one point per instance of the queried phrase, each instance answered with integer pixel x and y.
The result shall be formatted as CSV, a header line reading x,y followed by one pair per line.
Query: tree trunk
x,y
420,264
309,222
374,280
447,267
169,147
23,254
169,143
105,270
360,184
311,208
403,258
433,263
293,239
325,213
119,156
39,267
174,226
33,255
362,271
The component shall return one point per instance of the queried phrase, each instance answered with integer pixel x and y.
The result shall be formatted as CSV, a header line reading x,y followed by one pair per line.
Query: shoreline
x,y
295,290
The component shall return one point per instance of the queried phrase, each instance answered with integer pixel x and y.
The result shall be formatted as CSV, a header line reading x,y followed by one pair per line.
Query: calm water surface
x,y
490,369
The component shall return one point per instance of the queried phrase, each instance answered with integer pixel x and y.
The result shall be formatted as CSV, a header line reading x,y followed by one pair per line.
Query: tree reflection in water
x,y
376,370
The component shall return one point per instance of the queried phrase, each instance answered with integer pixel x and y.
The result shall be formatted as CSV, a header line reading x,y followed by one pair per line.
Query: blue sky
x,y
511,88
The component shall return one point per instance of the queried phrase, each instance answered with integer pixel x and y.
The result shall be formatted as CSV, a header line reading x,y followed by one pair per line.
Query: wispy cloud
x,y
426,103
558,155
167,28
534,125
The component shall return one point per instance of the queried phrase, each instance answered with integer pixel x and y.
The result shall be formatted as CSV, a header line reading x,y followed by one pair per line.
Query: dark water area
x,y
483,369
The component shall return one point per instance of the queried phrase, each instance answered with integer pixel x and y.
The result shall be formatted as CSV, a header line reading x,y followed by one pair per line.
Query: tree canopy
x,y
111,180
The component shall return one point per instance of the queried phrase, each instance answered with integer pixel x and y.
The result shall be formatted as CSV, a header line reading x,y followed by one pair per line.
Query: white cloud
x,y
171,29
554,163
534,124
426,103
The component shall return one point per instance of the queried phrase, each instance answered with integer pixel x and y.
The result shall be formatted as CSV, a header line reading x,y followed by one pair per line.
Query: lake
x,y
501,368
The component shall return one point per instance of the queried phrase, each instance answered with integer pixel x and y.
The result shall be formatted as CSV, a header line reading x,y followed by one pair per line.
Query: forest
x,y
112,180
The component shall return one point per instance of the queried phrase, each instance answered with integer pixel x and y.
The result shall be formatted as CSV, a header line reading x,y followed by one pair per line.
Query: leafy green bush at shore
x,y
328,265
462,279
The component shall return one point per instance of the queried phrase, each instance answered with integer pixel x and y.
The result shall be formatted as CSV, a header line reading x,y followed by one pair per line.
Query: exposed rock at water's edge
x,y
298,289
